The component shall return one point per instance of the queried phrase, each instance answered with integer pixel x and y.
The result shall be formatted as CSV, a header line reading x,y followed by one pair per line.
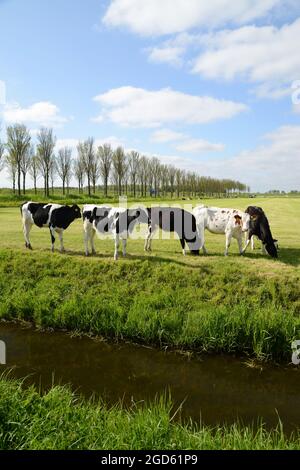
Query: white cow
x,y
230,222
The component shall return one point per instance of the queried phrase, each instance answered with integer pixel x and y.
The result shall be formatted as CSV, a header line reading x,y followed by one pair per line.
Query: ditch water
x,y
215,389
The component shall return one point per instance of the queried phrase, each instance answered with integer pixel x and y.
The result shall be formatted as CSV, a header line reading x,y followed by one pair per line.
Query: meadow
x,y
62,420
246,305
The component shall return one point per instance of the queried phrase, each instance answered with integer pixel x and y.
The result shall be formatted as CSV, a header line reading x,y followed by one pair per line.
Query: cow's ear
x,y
275,241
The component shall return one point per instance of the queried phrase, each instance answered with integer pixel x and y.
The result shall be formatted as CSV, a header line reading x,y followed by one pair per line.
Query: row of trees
x,y
127,173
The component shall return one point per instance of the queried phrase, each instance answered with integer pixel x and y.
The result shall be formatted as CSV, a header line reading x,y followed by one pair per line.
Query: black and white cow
x,y
54,216
260,227
174,220
119,222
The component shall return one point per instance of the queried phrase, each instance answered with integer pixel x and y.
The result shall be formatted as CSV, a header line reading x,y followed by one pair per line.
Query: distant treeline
x,y
123,173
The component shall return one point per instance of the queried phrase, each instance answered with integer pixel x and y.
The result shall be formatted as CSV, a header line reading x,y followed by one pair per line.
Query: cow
x,y
174,220
120,222
259,227
230,222
54,216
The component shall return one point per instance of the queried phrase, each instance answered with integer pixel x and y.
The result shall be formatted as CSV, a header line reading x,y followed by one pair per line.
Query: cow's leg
x,y
150,235
61,239
26,230
252,243
92,240
86,238
201,234
240,244
182,241
246,246
124,242
117,244
228,242
52,234
263,249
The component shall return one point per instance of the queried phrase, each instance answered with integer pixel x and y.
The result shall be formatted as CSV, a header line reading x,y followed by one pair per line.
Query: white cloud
x,y
136,107
167,54
267,55
173,50
198,146
42,113
184,142
274,164
166,135
157,17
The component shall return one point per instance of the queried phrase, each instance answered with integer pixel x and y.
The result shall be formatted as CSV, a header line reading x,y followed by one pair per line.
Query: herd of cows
x,y
120,222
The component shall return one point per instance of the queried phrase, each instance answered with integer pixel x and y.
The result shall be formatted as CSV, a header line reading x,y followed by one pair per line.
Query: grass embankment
x,y
61,420
242,305
212,307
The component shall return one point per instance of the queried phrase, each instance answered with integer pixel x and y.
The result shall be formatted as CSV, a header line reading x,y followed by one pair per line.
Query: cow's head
x,y
76,211
272,248
243,221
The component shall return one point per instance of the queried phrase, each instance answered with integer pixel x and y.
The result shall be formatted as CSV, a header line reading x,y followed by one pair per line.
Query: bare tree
x,y
11,166
53,173
34,170
133,165
78,169
119,166
95,172
64,166
45,148
178,180
155,167
172,177
105,155
18,143
25,164
87,155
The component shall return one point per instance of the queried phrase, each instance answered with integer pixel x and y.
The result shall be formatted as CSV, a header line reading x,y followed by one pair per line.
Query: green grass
x,y
248,305
61,420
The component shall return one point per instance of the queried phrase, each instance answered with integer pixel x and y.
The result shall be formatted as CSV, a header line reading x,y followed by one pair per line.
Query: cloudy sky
x,y
206,85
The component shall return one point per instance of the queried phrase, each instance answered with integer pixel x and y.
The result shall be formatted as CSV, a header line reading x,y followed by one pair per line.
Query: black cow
x,y
259,227
54,216
174,220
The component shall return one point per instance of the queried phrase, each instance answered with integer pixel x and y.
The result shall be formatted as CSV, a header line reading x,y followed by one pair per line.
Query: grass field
x,y
60,420
248,305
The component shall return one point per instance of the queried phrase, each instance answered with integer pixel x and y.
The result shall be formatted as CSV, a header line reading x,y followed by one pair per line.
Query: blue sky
x,y
205,86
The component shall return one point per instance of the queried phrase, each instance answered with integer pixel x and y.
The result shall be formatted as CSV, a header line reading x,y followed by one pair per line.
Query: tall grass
x,y
61,420
215,308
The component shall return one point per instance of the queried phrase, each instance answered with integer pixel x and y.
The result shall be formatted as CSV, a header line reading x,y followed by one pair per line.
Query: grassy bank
x,y
248,305
212,307
60,420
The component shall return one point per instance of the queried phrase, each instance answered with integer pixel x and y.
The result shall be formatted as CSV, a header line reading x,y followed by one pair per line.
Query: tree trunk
x,y
19,182
24,183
